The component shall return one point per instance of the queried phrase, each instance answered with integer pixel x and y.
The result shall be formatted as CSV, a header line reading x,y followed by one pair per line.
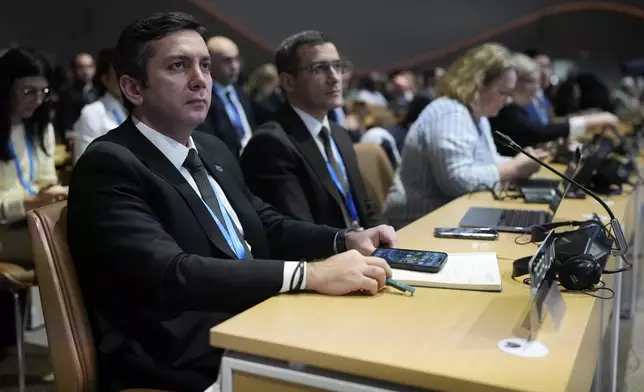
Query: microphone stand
x,y
620,240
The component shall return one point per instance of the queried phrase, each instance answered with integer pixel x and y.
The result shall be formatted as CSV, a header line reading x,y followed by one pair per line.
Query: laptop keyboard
x,y
520,218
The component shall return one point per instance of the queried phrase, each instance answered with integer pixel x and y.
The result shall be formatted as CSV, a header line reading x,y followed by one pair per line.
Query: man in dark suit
x,y
301,163
166,238
80,92
231,117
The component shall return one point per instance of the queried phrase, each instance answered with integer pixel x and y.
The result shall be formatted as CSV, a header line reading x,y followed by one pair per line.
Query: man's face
x,y
84,69
226,64
179,82
317,83
546,71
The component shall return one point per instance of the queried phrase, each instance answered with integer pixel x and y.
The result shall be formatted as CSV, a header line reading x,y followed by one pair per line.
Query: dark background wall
x,y
375,34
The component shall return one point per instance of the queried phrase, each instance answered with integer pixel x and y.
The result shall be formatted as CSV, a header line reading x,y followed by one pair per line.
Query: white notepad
x,y
462,271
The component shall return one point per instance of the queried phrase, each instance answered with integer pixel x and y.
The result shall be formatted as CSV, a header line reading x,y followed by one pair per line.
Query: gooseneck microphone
x,y
621,245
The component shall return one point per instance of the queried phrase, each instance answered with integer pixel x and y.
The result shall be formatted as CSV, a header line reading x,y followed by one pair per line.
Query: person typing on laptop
x,y
449,150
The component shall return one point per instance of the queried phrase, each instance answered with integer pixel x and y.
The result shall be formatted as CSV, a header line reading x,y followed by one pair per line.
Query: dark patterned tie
x,y
199,173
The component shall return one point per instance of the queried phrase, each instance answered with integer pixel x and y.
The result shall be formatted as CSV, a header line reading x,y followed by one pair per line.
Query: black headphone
x,y
575,272
581,272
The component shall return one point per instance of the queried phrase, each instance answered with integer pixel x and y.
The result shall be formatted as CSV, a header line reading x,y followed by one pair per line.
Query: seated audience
x,y
264,93
301,163
399,131
27,170
80,92
514,119
166,238
539,109
231,117
107,113
449,150
27,147
369,93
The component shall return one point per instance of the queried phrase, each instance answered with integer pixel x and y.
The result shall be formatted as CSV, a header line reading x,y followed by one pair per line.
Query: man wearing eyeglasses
x,y
301,163
230,117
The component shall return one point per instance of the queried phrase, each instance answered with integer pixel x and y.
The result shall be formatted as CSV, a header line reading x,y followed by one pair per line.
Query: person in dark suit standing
x,y
302,164
166,238
231,117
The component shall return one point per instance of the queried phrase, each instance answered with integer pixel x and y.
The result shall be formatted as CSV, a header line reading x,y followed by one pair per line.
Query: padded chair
x,y
71,344
376,170
15,279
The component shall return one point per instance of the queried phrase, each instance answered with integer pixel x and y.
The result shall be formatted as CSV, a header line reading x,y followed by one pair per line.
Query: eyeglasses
x,y
324,68
32,92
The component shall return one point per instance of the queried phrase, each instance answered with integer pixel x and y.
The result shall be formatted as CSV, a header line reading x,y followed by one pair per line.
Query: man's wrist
x,y
340,241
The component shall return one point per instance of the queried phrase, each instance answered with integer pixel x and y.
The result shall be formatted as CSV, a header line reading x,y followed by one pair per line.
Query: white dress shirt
x,y
97,119
176,154
221,91
314,126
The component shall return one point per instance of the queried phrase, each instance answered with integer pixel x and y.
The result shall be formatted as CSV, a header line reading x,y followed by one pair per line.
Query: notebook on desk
x,y
462,271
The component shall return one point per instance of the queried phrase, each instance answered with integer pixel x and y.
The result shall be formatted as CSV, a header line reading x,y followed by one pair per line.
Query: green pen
x,y
400,286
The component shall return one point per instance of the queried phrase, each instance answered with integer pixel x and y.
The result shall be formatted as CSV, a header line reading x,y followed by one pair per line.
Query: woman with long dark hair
x,y
27,169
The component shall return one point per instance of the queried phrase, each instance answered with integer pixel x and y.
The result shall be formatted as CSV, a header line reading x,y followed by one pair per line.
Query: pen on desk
x,y
400,286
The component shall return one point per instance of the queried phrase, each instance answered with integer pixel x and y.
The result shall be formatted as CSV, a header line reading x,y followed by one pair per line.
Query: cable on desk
x,y
516,239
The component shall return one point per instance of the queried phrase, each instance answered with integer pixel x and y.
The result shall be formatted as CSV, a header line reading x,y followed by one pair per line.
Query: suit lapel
x,y
159,164
301,137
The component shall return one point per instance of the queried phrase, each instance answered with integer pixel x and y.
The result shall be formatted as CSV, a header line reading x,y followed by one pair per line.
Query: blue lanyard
x,y
16,162
229,233
117,116
348,199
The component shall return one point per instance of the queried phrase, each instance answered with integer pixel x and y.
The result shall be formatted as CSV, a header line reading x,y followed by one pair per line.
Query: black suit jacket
x,y
155,271
514,121
284,167
218,123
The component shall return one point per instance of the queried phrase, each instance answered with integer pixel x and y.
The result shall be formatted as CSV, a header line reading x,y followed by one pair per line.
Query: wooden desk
x,y
440,339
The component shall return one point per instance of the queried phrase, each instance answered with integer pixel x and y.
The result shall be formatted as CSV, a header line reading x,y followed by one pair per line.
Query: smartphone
x,y
472,233
413,260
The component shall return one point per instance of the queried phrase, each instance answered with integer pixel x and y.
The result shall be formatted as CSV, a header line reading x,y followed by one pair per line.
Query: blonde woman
x,y
515,121
263,90
449,150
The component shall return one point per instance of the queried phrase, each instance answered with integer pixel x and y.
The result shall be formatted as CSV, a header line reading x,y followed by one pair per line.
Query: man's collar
x,y
172,149
312,124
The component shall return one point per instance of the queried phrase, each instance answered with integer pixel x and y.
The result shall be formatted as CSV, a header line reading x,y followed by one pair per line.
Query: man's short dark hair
x,y
133,50
286,59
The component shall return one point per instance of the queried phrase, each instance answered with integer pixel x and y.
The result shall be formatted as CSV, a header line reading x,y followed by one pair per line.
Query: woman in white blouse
x,y
27,143
106,113
449,150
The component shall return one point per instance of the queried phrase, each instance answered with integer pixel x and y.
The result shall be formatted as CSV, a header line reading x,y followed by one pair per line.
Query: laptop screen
x,y
564,185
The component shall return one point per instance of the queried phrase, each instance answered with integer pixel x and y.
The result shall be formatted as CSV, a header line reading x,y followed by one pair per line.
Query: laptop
x,y
545,194
511,220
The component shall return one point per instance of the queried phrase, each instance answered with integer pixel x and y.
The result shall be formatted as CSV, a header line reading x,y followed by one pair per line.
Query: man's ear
x,y
131,89
287,82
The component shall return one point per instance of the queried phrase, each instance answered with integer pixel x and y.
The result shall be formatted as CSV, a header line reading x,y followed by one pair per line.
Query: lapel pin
x,y
218,168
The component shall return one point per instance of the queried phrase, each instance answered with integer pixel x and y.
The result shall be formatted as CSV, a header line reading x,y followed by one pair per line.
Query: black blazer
x,y
218,123
284,167
514,121
155,271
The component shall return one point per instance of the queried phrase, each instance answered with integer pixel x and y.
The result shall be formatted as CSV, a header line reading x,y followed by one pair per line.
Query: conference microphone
x,y
621,245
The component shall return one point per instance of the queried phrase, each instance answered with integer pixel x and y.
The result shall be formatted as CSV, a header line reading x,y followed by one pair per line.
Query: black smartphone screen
x,y
416,260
